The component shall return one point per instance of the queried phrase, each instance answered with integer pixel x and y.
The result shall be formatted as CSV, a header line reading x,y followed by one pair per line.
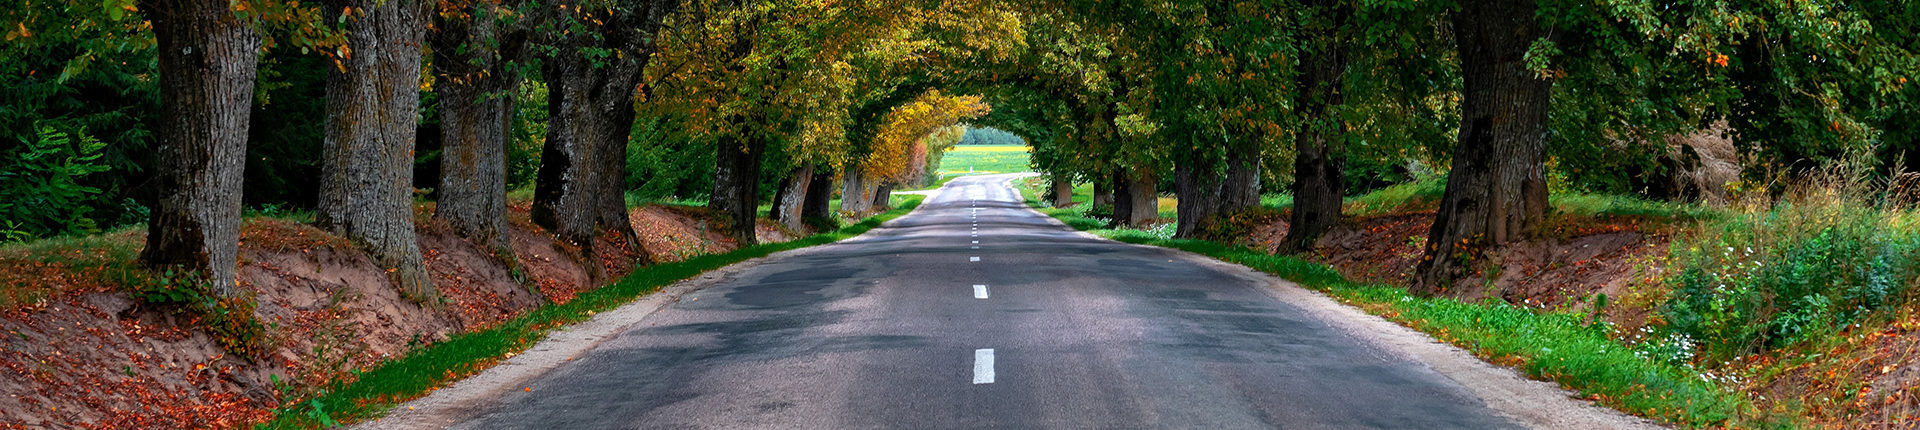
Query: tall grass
x,y
1773,273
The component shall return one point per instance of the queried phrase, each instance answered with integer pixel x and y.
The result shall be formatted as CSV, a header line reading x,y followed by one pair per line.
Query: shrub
x,y
1770,275
41,182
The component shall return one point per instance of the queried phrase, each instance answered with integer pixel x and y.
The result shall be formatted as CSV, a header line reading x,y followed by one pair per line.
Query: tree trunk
x,y
1319,182
366,174
736,186
1197,185
855,197
476,118
208,60
1103,190
819,196
1062,191
1496,192
789,204
1242,187
883,196
1144,197
579,192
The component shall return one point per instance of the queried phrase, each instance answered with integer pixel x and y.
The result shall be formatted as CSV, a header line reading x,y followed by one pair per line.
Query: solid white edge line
x,y
983,366
979,291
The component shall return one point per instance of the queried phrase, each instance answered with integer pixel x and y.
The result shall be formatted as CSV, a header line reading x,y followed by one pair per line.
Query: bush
x,y
1772,275
41,182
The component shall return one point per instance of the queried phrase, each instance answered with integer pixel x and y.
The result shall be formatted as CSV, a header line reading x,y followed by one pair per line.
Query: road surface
x,y
975,312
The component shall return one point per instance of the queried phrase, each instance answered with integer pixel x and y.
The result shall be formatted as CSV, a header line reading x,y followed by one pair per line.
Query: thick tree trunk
x,y
736,186
883,196
579,192
1197,185
819,197
1496,192
1062,191
1122,200
1144,197
1319,182
1242,187
789,204
208,60
476,118
366,174
856,197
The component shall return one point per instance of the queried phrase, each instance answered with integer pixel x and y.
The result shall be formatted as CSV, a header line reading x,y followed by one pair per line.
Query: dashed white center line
x,y
976,241
983,366
979,291
973,258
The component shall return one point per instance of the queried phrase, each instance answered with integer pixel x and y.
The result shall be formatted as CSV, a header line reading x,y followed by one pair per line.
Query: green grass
x,y
373,391
1567,348
963,160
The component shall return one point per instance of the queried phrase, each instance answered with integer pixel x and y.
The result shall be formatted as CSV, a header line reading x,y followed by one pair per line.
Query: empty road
x,y
975,312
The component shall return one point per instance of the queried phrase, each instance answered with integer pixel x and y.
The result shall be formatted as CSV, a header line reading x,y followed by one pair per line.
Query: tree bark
x,y
476,118
817,207
1496,192
366,169
1319,182
855,195
1062,191
1197,185
1103,190
1241,189
789,204
1143,196
736,186
208,60
579,192
883,196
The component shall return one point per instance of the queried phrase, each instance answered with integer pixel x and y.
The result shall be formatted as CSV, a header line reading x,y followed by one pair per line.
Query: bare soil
x,y
1568,268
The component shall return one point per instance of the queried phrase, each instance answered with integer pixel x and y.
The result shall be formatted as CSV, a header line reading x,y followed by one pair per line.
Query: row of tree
x,y
1224,100
773,88
1313,93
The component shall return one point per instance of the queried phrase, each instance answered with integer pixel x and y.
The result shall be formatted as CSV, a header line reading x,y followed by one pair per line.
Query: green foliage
x,y
664,164
1760,279
529,134
42,182
1422,192
991,137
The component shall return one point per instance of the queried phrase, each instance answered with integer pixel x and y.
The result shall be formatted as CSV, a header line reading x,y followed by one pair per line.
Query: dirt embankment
x,y
1568,266
77,351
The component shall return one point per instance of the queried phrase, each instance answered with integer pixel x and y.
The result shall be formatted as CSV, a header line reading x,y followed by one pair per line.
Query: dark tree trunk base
x,y
1496,191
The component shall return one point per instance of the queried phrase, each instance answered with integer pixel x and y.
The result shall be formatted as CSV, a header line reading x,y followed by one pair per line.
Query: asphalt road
x,y
891,330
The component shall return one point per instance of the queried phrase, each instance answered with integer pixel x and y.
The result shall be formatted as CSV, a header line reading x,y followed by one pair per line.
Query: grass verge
x,y
369,393
1567,348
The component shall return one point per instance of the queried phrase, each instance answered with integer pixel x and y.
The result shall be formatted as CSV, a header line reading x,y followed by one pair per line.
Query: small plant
x,y
229,319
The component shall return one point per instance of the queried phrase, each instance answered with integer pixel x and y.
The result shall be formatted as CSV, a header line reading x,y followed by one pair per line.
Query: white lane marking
x,y
979,291
973,258
983,366
976,241
976,247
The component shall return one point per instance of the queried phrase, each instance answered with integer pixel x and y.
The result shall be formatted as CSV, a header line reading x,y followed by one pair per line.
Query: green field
x,y
962,160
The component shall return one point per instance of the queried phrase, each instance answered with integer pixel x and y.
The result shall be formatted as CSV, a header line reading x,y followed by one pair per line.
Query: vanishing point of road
x,y
976,312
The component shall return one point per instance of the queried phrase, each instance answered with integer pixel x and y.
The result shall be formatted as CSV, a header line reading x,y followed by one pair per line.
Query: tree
x,y
475,48
208,58
1319,155
366,175
593,75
